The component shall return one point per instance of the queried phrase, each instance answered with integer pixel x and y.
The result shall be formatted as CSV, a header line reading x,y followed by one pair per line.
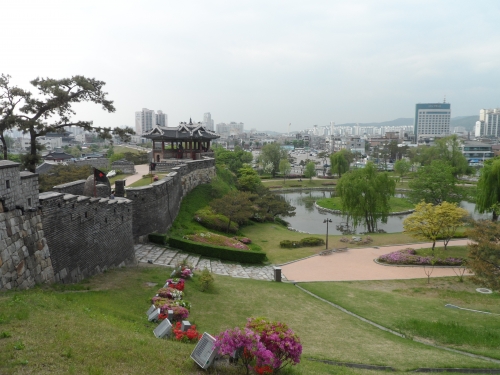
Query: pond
x,y
309,219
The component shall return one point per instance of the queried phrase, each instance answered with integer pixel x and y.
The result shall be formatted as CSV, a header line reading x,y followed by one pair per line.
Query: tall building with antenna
x,y
432,119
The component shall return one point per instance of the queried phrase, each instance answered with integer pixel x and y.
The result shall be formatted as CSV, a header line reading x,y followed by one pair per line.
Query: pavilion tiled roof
x,y
184,132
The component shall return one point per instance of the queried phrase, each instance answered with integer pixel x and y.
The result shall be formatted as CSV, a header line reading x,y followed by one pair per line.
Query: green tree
x,y
365,195
310,170
62,174
272,153
430,222
339,162
236,206
248,179
488,188
285,168
271,205
435,184
484,253
10,98
402,167
233,160
449,149
51,110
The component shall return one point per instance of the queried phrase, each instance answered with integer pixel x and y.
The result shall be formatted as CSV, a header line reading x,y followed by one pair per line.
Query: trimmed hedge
x,y
158,238
305,242
212,251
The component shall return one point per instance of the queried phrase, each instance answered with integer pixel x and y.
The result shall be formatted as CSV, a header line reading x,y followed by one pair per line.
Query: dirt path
x,y
358,264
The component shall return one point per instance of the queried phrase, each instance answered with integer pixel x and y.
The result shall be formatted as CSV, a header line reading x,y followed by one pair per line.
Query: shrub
x,y
408,256
243,256
205,281
191,335
312,241
211,220
287,244
160,239
217,239
280,221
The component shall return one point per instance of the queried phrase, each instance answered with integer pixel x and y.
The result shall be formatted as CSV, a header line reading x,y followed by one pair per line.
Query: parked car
x,y
111,173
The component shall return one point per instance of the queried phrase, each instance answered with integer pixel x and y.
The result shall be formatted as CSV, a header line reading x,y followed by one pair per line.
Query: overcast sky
x,y
264,63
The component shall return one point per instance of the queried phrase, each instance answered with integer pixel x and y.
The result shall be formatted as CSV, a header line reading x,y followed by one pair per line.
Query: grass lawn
x,y
100,327
397,204
122,150
118,177
145,181
417,309
440,252
295,183
269,236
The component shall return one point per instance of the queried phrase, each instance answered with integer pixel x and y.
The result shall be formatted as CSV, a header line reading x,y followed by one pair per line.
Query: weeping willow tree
x,y
365,195
488,188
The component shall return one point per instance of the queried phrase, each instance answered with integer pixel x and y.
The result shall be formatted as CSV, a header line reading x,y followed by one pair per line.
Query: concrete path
x,y
358,264
169,257
352,265
140,170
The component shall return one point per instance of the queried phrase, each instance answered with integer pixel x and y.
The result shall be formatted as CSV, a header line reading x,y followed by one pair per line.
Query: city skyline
x,y
264,64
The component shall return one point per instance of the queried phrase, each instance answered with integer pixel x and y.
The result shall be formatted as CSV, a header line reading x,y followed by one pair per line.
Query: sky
x,y
264,63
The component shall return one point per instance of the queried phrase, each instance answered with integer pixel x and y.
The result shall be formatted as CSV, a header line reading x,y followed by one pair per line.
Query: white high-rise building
x,y
432,119
161,119
144,121
488,124
208,123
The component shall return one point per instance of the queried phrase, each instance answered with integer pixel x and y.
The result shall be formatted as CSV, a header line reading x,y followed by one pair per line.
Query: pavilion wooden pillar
x,y
154,148
163,149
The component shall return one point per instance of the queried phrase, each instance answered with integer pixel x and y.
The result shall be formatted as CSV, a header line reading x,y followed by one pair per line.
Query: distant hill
x,y
468,122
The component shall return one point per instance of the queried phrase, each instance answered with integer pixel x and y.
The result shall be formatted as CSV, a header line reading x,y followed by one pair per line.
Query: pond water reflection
x,y
309,219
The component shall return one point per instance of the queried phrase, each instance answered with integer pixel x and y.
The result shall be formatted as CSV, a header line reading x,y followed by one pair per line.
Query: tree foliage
x,y
310,170
484,253
365,195
488,188
271,205
435,184
62,174
285,168
340,162
51,109
430,222
272,153
233,160
10,98
402,167
248,179
236,206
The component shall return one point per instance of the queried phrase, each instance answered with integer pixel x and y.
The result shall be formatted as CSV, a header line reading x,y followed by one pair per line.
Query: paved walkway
x,y
165,256
352,265
358,264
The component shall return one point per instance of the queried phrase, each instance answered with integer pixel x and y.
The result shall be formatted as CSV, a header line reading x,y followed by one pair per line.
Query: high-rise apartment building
x,y
144,121
488,124
208,123
432,119
233,128
161,119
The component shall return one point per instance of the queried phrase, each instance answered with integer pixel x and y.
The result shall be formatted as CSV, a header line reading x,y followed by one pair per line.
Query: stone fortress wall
x,y
64,236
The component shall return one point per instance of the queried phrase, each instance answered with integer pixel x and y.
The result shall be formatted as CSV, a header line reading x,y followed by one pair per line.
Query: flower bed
x,y
409,257
216,239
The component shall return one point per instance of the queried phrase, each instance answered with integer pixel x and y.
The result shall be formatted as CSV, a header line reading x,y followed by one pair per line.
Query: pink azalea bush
x,y
408,256
180,313
216,239
280,340
245,344
272,344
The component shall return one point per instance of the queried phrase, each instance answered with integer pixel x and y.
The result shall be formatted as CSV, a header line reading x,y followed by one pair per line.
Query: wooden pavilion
x,y
187,141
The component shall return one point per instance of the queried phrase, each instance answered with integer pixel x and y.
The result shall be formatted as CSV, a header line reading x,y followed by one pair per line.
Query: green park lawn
x,y
99,326
269,235
397,204
417,309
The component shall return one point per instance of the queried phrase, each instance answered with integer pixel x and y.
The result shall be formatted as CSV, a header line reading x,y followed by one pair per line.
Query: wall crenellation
x,y
65,237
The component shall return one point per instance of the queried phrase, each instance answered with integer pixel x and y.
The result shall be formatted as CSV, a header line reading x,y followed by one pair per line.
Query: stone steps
x,y
166,256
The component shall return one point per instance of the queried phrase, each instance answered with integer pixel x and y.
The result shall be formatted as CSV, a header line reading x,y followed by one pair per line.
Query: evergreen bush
x,y
211,220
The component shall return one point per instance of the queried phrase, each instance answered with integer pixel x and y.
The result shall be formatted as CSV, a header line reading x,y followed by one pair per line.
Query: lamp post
x,y
327,221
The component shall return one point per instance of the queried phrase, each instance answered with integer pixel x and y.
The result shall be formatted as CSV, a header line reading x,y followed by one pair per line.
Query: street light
x,y
327,221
